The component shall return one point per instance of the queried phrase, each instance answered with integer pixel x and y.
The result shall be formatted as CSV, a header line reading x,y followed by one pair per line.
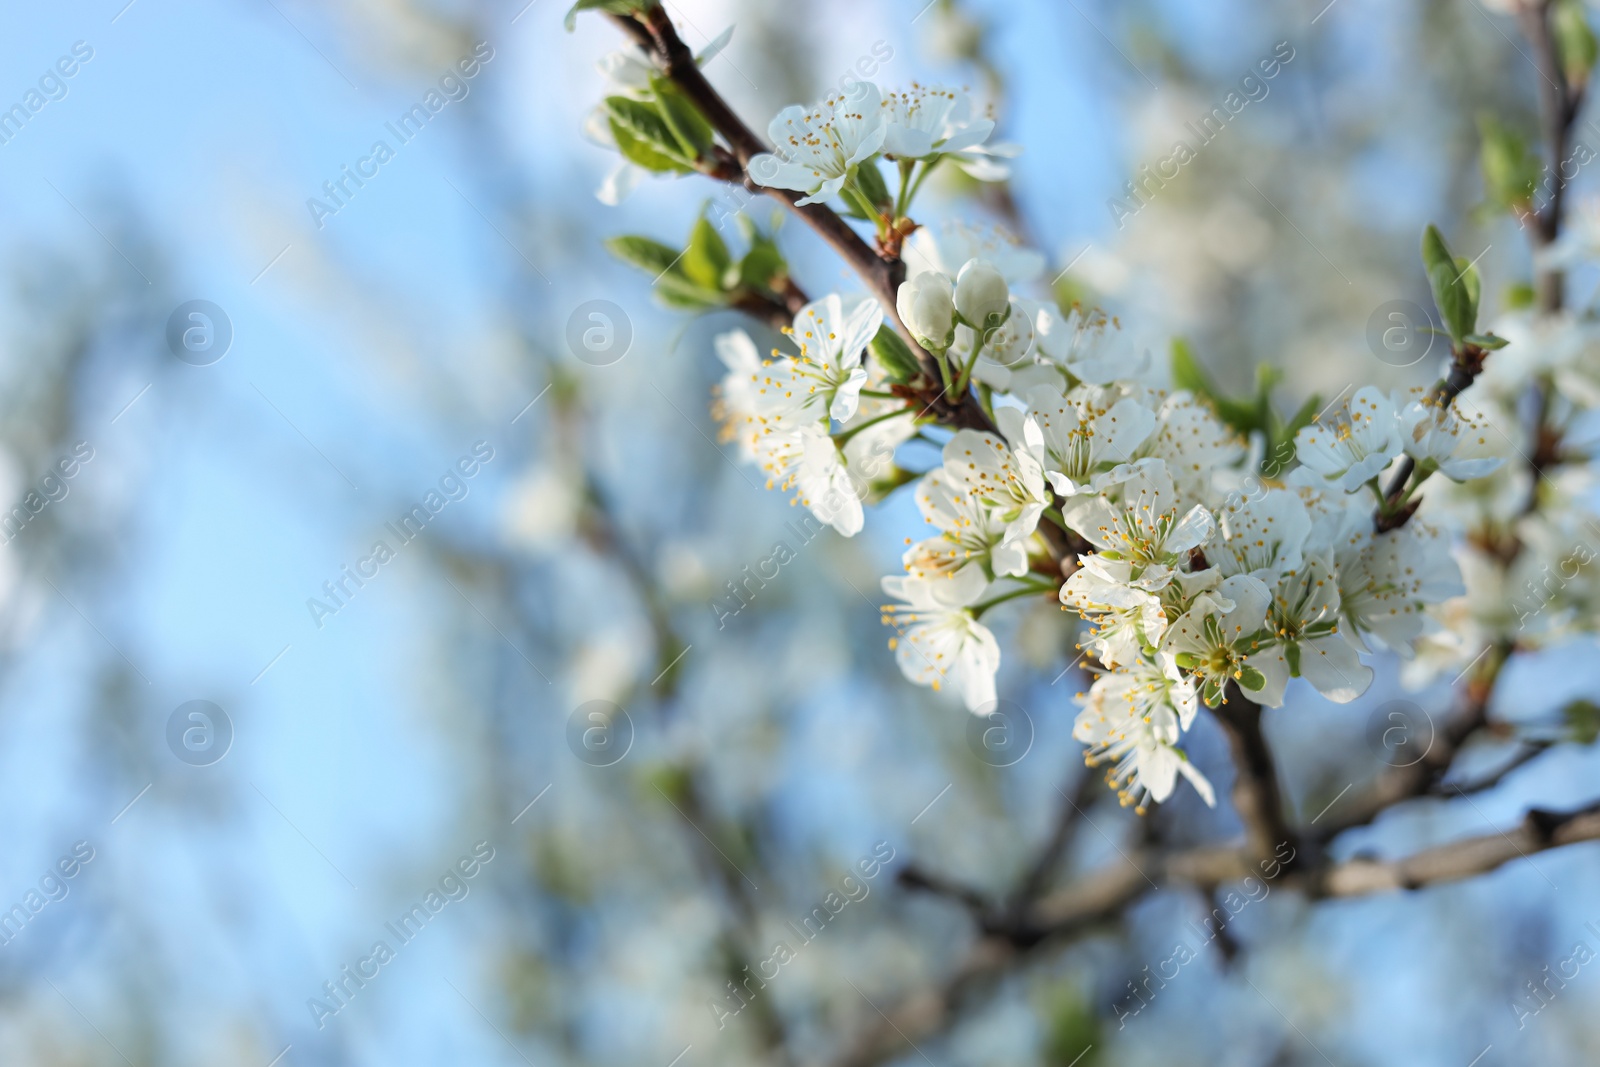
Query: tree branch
x,y
1465,366
1540,831
1526,753
654,33
1559,104
1256,794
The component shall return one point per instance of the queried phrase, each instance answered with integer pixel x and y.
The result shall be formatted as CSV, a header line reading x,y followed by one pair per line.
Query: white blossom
x,y
1134,719
939,640
1009,481
1082,437
815,150
1457,441
1139,519
1089,346
1361,440
929,119
827,375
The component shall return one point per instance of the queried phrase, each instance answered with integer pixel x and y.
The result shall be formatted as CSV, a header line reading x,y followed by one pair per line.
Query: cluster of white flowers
x,y
780,409
1201,573
816,150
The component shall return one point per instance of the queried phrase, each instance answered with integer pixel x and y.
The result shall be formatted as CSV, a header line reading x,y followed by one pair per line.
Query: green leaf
x,y
664,264
644,153
1252,680
1186,371
611,7
1072,1028
1487,340
763,265
706,259
869,179
652,257
1282,454
675,290
1245,417
1469,277
1575,41
1453,293
1583,721
894,355
643,136
683,118
1510,171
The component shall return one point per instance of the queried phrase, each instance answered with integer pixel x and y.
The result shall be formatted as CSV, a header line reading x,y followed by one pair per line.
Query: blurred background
x,y
364,742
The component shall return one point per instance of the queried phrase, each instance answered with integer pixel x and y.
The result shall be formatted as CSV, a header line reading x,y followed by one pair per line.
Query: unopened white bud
x,y
982,297
927,308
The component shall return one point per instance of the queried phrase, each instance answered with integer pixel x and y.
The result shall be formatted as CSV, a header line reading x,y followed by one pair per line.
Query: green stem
x,y
840,439
1028,590
986,398
859,198
972,361
902,202
927,169
944,371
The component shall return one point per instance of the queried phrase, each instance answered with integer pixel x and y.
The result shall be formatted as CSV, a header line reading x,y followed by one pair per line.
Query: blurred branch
x,y
1540,831
1559,104
1256,794
1529,751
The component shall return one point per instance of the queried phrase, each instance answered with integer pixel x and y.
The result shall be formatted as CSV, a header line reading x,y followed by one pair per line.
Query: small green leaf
x,y
869,179
706,259
1071,1028
1486,340
1469,277
1453,291
763,265
1575,41
683,118
1276,461
1252,680
674,290
1583,721
643,136
612,7
1510,171
652,257
894,355
1245,417
1186,370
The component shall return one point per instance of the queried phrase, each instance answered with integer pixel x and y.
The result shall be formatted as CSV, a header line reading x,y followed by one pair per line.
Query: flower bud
x,y
927,309
981,295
